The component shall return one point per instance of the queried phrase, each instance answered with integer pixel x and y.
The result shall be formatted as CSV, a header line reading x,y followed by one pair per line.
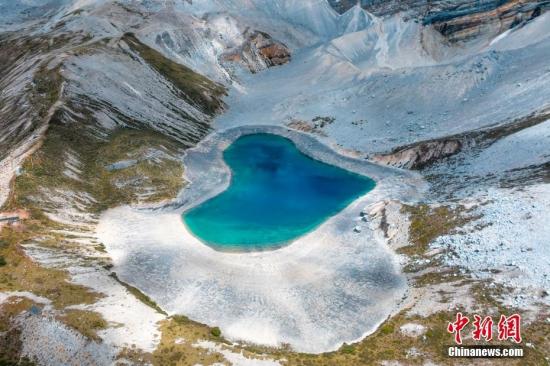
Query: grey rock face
x,y
456,20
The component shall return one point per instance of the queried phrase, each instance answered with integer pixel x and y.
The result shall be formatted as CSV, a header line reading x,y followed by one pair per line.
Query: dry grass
x,y
43,173
427,223
87,323
22,274
45,168
179,334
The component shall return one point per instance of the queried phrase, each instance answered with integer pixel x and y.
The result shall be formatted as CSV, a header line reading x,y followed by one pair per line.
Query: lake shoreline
x,y
276,194
332,278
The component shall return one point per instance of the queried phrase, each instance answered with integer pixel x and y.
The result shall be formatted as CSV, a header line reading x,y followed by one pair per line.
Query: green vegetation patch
x,y
139,295
216,332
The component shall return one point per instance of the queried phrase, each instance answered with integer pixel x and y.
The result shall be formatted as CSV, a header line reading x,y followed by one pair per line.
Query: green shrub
x,y
216,332
347,348
180,319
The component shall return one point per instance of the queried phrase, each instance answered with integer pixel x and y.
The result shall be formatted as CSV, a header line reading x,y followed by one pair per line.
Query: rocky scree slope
x,y
136,84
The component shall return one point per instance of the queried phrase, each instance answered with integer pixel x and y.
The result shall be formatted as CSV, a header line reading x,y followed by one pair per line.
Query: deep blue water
x,y
276,194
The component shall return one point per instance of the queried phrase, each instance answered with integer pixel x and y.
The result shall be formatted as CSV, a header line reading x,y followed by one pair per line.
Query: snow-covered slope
x,y
376,83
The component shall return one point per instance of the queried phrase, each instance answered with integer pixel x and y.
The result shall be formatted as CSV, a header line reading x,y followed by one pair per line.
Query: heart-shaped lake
x,y
276,194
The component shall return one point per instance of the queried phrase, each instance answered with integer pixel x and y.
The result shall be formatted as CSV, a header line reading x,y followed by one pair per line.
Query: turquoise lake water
x,y
276,194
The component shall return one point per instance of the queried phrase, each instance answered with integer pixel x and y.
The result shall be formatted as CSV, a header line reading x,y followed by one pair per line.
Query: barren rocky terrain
x,y
111,112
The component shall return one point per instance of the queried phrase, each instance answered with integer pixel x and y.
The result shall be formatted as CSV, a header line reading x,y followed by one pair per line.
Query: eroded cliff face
x,y
258,51
457,20
420,155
